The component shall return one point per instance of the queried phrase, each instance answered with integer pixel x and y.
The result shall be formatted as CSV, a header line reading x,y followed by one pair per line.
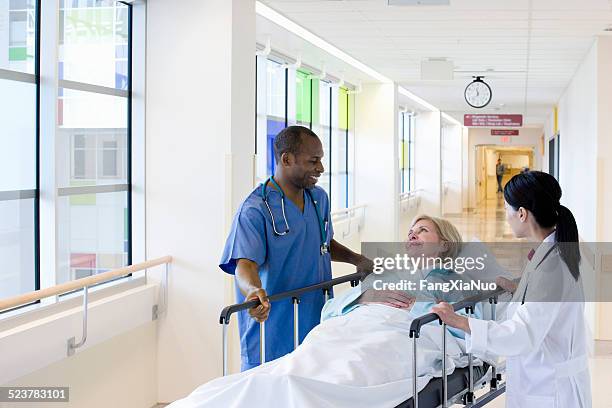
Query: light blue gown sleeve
x,y
341,304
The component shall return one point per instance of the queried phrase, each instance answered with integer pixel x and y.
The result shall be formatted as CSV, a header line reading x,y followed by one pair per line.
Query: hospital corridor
x,y
305,203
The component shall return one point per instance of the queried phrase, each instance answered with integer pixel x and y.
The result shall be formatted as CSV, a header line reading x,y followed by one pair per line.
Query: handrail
x,y
30,297
410,193
227,311
492,295
347,210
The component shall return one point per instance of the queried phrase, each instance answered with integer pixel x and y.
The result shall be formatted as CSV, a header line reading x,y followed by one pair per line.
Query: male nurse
x,y
282,239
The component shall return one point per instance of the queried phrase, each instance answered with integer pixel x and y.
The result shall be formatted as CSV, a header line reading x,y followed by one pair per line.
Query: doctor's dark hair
x,y
540,193
289,140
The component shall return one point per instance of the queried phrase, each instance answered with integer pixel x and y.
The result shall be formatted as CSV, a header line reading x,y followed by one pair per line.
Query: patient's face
x,y
423,239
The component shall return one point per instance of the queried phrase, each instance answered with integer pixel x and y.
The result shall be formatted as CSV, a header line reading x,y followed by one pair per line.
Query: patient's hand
x,y
393,298
506,284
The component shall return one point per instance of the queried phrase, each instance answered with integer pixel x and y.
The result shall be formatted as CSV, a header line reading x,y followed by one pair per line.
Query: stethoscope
x,y
322,226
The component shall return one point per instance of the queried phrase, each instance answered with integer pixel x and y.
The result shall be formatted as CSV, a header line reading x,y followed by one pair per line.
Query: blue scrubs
x,y
285,262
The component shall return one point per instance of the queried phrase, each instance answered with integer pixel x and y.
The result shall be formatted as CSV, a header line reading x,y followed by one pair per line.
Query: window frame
x,y
261,111
46,221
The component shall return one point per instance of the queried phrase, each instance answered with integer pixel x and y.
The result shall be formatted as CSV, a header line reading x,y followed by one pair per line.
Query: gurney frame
x,y
466,397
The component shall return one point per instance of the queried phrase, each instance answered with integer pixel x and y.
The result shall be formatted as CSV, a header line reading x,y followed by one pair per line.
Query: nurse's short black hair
x,y
289,140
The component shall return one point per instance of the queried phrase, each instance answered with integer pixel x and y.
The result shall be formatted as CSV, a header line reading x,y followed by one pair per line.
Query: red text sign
x,y
486,120
504,132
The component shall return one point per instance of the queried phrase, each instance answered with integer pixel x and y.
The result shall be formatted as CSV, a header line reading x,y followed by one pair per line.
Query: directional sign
x,y
486,120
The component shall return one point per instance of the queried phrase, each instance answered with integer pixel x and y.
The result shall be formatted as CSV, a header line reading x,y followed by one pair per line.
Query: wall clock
x,y
478,93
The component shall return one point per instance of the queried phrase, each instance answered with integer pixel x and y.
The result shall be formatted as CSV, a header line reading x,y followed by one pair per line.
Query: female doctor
x,y
544,337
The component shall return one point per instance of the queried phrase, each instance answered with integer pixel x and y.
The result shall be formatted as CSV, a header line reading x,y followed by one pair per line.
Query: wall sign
x,y
488,120
504,132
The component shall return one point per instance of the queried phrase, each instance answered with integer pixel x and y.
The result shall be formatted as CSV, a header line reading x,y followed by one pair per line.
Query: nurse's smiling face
x,y
304,168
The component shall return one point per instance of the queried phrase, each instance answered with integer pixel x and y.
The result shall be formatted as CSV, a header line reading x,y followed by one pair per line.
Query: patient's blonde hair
x,y
448,233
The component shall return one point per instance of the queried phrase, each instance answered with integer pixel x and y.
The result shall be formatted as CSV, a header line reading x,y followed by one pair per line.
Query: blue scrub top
x,y
285,262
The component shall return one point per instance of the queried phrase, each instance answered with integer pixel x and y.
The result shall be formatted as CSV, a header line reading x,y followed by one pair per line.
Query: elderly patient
x,y
360,355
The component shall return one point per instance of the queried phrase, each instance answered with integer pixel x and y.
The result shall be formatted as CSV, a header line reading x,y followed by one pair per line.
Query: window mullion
x,y
49,45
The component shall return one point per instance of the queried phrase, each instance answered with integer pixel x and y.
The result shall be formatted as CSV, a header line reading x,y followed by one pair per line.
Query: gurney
x,y
459,387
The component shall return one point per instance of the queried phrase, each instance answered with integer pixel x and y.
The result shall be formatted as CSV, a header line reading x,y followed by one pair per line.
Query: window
x,y
406,151
323,130
93,130
286,96
19,190
271,113
342,148
303,101
88,132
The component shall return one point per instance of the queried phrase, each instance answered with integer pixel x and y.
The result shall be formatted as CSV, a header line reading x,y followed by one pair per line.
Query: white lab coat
x,y
544,340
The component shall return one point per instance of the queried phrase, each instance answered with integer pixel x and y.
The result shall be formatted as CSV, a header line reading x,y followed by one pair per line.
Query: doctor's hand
x,y
506,284
393,298
259,313
447,314
365,265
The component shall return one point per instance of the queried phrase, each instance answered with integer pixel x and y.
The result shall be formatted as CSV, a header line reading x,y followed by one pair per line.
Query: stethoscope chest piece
x,y
324,249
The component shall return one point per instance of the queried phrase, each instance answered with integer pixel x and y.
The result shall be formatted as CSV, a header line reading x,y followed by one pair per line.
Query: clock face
x,y
478,94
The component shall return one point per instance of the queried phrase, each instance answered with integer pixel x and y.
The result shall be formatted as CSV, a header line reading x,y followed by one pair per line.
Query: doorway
x,y
514,158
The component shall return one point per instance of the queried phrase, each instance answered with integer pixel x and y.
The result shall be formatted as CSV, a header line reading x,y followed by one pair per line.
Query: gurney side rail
x,y
469,305
354,278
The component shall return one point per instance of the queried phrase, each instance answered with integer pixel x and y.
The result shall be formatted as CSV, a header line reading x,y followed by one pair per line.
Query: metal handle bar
x,y
227,311
415,327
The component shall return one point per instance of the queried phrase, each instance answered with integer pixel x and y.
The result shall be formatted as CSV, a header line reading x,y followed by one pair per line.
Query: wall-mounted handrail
x,y
409,194
24,299
348,210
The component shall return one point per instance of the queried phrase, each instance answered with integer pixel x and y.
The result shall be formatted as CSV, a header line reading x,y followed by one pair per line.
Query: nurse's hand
x,y
393,298
447,314
260,312
506,284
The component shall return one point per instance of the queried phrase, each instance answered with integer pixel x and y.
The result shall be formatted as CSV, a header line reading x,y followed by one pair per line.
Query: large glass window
x,y
323,129
89,135
287,96
18,35
19,145
406,151
93,138
303,100
341,149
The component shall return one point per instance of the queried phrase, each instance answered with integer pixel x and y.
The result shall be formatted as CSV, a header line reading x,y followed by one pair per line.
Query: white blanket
x,y
362,359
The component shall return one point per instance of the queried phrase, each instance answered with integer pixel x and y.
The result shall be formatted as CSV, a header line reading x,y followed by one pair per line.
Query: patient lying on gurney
x,y
359,356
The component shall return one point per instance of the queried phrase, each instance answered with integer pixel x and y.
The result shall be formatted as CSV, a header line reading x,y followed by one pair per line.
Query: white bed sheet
x,y
362,359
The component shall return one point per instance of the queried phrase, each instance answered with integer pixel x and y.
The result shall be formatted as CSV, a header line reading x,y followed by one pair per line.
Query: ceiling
x,y
528,50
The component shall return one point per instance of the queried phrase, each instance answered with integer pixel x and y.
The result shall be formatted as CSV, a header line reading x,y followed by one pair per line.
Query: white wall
x,y
115,367
604,139
120,373
465,168
482,136
199,167
376,160
578,129
452,169
428,161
